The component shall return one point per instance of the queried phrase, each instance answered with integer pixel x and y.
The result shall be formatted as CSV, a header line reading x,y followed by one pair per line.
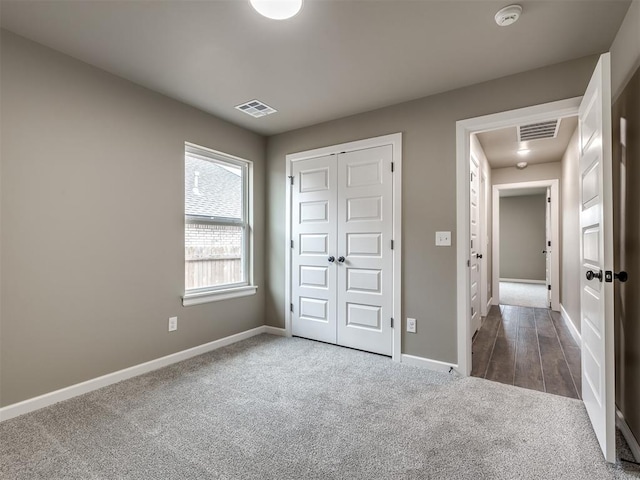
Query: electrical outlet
x,y
411,325
173,324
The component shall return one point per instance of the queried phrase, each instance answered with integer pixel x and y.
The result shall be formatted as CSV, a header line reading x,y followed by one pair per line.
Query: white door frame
x,y
464,129
555,236
395,140
484,261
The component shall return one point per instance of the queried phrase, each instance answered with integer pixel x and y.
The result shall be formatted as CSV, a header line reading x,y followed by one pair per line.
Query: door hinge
x,y
392,167
391,244
548,200
549,243
291,243
391,322
291,179
468,263
548,287
291,307
472,176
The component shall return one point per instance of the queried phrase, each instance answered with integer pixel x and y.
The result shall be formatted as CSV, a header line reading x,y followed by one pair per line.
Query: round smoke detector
x,y
508,15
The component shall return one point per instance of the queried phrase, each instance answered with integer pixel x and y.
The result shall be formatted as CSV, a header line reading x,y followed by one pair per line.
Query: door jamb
x,y
395,140
555,236
464,129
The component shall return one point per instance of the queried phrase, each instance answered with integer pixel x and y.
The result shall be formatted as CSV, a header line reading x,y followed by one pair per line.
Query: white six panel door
x,y
314,232
596,231
365,229
474,229
342,263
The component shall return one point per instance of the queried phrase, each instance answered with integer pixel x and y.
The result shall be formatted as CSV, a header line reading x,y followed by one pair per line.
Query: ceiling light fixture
x,y
508,15
523,151
521,165
277,9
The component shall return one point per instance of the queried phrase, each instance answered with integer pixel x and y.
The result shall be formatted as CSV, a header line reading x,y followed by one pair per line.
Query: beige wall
x,y
625,73
533,173
523,237
429,189
626,177
92,223
625,50
570,220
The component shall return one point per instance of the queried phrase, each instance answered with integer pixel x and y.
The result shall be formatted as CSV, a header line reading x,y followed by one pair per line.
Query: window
x,y
217,228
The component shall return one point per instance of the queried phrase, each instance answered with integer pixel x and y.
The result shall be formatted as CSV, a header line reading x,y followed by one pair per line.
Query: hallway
x,y
530,348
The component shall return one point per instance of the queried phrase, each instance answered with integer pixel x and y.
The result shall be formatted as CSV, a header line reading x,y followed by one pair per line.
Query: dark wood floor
x,y
530,348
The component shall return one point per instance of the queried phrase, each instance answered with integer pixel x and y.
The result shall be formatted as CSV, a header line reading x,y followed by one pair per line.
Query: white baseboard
x,y
523,280
36,403
436,365
489,304
571,326
628,435
275,331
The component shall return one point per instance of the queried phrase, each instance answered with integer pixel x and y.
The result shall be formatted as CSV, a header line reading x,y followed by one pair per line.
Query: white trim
x,y
571,326
280,332
464,129
36,403
489,303
555,234
628,435
422,362
522,280
395,140
190,299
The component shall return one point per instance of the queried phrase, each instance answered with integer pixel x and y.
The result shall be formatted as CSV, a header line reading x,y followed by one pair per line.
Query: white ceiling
x,y
501,146
335,58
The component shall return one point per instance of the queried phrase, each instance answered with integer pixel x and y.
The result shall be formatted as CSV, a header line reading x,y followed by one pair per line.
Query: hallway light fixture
x,y
521,165
277,9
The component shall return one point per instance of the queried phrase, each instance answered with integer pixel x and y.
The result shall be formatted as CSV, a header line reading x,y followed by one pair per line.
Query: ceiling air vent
x,y
536,131
256,108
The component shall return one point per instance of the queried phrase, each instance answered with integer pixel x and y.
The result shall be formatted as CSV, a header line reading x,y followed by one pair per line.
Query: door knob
x,y
341,259
544,251
478,255
591,275
331,259
609,276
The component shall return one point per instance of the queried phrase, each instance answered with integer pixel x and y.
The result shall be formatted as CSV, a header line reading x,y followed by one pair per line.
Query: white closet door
x,y
365,258
474,252
314,232
596,254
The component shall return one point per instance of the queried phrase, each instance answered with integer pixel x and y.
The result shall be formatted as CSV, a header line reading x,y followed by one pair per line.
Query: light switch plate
x,y
443,239
173,324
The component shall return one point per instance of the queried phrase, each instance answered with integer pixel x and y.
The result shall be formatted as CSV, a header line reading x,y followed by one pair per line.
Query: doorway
x,y
344,244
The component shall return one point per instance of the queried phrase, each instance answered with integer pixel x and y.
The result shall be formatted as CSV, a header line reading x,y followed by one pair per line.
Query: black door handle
x,y
478,255
591,275
621,277
331,259
341,259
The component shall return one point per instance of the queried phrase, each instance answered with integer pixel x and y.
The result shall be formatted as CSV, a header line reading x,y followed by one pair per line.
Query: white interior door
x,y
314,230
596,224
365,261
474,253
342,258
547,246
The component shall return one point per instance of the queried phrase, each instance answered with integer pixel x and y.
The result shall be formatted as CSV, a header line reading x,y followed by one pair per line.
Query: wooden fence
x,y
209,272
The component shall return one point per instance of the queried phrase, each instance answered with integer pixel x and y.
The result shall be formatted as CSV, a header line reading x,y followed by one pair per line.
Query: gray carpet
x,y
278,408
523,294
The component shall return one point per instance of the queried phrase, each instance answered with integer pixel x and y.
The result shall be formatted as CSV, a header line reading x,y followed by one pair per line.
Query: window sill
x,y
190,299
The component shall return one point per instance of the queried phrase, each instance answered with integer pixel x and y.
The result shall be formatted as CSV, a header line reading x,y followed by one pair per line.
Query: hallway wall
x,y
523,237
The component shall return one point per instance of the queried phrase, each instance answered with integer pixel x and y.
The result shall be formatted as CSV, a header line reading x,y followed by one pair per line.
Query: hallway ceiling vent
x,y
256,108
537,131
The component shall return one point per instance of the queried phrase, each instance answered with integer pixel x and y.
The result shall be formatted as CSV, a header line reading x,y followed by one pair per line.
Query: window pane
x,y
213,255
212,189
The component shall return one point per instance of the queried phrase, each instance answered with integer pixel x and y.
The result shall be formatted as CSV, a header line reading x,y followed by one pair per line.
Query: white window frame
x,y
197,296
